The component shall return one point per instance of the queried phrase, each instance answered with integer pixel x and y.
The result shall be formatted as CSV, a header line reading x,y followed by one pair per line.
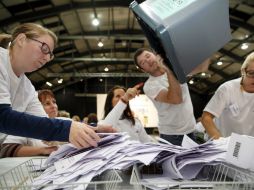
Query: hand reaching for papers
x,y
105,129
132,92
48,150
81,135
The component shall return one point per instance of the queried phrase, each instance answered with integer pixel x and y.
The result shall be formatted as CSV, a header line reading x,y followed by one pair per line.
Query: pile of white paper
x,y
115,151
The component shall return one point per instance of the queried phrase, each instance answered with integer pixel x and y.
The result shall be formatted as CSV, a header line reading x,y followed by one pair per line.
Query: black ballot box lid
x,y
184,32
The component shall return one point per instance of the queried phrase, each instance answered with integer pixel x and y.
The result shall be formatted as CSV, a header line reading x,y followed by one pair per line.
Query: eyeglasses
x,y
250,73
44,48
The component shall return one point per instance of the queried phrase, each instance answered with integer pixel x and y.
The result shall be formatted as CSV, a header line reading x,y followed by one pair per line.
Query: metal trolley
x,y
221,176
22,177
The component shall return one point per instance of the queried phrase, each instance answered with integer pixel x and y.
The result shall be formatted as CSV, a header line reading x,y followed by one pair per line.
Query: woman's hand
x,y
105,129
132,92
48,150
81,135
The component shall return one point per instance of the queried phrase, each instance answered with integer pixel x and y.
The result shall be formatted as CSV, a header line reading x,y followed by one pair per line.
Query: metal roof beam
x,y
94,59
232,55
238,23
54,11
90,75
105,36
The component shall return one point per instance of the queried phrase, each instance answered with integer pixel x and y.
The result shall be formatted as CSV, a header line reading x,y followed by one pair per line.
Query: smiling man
x,y
171,99
231,109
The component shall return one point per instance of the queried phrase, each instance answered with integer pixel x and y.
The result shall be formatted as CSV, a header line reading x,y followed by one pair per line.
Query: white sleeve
x,y
35,107
4,92
218,102
2,138
143,136
153,88
114,115
16,140
24,141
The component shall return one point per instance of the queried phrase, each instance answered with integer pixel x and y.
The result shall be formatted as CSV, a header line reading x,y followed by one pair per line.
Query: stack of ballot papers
x,y
115,151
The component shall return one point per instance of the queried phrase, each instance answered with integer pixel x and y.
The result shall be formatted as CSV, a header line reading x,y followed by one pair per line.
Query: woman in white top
x,y
119,115
231,109
15,146
21,113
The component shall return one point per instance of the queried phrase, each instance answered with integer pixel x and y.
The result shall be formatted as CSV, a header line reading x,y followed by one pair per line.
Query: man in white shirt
x,y
171,99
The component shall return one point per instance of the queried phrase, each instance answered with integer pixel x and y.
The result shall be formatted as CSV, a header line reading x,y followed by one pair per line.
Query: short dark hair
x,y
138,53
92,118
43,94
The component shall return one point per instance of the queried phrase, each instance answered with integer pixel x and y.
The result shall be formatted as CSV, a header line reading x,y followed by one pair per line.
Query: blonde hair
x,y
63,113
76,118
32,30
249,59
5,39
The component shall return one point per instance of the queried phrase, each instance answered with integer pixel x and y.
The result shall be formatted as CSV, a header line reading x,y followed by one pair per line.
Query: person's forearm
x,y
9,149
115,114
29,151
36,151
21,124
174,91
209,125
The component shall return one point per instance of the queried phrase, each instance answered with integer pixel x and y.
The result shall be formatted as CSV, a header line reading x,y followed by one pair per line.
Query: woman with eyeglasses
x,y
231,109
21,113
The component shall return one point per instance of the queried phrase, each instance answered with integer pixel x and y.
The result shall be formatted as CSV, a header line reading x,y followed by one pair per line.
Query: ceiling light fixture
x,y
60,81
48,83
219,63
203,75
244,46
95,22
191,82
106,69
124,43
100,44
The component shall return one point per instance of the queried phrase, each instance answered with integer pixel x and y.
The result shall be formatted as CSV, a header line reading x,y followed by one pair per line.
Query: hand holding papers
x,y
82,136
105,129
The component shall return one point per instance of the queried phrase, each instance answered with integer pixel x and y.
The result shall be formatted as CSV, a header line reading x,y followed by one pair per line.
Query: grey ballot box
x,y
184,32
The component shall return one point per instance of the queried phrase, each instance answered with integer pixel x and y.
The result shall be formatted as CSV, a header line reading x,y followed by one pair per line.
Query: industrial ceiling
x,y
78,55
